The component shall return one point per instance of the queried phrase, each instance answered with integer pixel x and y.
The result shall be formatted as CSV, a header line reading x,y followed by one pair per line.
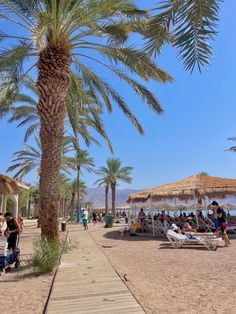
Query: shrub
x,y
47,254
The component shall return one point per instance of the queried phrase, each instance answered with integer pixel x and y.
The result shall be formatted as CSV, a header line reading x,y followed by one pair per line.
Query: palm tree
x,y
74,189
104,181
26,160
23,109
29,159
83,112
188,25
57,36
113,173
80,161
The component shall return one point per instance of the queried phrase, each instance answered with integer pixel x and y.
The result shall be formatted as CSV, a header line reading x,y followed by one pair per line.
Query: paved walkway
x,y
86,283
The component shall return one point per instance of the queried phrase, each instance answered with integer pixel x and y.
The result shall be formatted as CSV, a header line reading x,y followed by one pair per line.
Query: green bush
x,y
47,254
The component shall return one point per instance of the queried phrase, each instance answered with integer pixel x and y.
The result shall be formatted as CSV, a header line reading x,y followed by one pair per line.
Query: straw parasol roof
x,y
8,185
199,187
229,206
139,197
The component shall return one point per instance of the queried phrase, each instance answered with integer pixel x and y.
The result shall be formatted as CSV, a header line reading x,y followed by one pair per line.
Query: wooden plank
x,y
86,283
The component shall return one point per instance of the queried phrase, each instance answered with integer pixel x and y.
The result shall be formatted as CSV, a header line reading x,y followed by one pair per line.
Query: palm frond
x,y
194,24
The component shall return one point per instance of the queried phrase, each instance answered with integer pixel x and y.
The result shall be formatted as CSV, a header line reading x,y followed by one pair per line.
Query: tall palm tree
x,y
188,25
83,112
105,182
57,36
74,190
113,173
80,161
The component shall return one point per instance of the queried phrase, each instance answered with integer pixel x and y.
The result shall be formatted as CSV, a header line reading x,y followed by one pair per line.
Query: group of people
x,y
10,229
188,222
86,217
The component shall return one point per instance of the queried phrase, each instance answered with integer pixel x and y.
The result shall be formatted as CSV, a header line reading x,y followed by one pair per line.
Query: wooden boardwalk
x,y
86,283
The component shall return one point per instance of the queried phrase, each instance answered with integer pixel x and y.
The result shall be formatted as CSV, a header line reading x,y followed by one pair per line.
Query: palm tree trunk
x,y
29,207
113,198
52,85
78,191
106,198
72,205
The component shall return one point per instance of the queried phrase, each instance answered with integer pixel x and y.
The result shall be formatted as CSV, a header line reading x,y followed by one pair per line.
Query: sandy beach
x,y
24,291
164,280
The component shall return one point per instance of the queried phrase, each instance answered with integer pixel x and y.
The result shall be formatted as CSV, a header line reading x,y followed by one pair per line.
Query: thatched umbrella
x,y
229,206
8,185
196,187
139,197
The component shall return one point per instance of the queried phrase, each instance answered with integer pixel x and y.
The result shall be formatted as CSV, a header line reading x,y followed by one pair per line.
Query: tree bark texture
x,y
113,198
52,85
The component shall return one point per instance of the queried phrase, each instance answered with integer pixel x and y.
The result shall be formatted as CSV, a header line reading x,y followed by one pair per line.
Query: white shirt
x,y
3,246
85,215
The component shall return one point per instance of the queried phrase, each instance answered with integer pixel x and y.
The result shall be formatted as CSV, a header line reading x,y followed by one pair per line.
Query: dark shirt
x,y
12,225
94,216
221,212
14,237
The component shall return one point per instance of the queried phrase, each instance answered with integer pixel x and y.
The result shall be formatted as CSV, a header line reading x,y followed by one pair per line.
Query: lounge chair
x,y
178,240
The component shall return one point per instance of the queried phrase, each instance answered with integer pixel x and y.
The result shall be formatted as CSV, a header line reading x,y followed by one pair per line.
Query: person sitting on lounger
x,y
166,225
175,228
187,226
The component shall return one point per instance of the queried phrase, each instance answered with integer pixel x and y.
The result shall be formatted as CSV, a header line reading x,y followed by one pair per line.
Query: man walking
x,y
85,219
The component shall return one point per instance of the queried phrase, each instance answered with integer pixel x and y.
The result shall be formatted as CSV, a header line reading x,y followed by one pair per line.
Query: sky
x,y
189,137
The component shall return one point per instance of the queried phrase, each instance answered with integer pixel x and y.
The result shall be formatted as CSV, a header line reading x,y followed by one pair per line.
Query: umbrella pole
x,y
195,205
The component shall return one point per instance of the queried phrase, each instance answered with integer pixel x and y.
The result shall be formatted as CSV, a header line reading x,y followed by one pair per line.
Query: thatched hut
x,y
8,185
10,188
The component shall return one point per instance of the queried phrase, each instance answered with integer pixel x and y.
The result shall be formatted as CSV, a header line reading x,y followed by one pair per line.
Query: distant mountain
x,y
97,196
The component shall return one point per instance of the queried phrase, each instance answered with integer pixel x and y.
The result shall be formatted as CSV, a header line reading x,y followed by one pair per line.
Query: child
x,y
3,253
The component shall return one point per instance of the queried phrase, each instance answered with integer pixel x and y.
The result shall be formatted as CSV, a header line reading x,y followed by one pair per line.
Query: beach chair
x,y
178,240
205,225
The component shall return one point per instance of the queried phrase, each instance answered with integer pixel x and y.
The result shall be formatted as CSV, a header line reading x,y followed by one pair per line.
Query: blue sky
x,y
189,137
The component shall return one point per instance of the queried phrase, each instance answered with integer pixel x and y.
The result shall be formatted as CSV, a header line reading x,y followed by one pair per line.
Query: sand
x,y
24,291
165,280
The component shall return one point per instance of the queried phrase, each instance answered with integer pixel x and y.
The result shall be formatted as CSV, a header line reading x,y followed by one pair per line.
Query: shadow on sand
x,y
116,235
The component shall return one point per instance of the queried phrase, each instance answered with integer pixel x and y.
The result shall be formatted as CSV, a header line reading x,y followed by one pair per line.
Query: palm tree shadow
x,y
116,235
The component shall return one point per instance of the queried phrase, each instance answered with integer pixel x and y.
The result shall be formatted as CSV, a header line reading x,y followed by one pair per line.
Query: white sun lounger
x,y
178,240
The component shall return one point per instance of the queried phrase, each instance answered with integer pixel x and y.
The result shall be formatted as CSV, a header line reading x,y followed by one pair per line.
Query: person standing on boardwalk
x,y
94,217
85,219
